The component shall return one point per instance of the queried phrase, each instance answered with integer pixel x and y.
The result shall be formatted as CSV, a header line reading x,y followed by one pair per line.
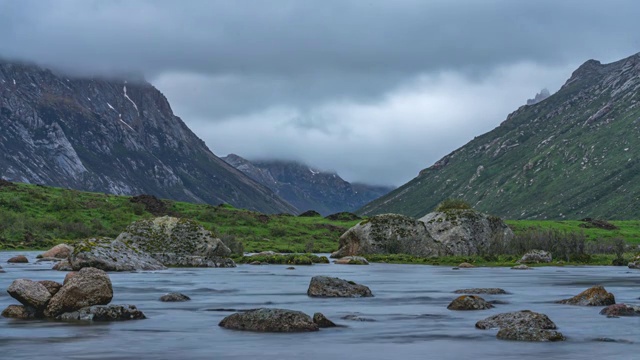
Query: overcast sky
x,y
375,90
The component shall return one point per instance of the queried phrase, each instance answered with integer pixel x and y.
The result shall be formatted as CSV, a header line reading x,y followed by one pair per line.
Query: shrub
x,y
453,204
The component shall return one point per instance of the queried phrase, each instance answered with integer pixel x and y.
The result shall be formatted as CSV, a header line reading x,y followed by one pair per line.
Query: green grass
x,y
501,260
290,259
38,217
629,230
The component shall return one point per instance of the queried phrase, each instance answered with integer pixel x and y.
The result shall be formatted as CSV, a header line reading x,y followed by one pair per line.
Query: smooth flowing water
x,y
411,320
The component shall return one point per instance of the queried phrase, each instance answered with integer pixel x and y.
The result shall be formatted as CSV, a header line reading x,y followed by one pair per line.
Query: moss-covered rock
x,y
177,242
594,296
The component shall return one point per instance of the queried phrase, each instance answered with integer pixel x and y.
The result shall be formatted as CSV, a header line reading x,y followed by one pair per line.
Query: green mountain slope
x,y
573,155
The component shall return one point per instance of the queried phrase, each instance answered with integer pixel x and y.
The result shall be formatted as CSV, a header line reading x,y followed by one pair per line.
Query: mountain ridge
x,y
110,135
573,155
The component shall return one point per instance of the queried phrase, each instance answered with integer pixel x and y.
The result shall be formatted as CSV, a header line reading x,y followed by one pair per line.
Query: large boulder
x,y
463,232
60,251
88,287
111,255
270,320
594,296
324,286
458,232
469,302
520,319
177,242
30,293
104,313
535,257
387,234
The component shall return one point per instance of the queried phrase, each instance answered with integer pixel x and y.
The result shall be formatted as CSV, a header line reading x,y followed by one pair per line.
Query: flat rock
x,y
520,319
476,291
270,320
104,313
529,334
20,312
88,287
174,297
469,302
594,296
60,251
536,257
18,259
618,310
354,317
324,286
521,267
30,293
322,321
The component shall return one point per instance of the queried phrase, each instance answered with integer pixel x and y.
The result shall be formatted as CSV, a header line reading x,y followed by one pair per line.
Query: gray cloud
x,y
321,71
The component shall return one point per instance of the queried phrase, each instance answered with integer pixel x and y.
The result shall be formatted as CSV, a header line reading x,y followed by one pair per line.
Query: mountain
x,y
307,188
574,155
542,95
111,136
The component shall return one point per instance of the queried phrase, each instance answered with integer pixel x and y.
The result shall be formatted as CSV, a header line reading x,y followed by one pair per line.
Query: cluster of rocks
x,y
524,325
84,295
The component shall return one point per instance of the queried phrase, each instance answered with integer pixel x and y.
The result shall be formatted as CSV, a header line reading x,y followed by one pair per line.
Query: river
x,y
409,309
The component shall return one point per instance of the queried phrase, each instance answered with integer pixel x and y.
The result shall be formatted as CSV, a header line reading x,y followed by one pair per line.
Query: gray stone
x,y
270,320
63,265
594,296
88,287
324,286
322,321
29,293
529,334
20,312
104,313
618,310
52,286
535,257
352,260
520,319
489,291
60,251
111,255
469,302
174,297
18,259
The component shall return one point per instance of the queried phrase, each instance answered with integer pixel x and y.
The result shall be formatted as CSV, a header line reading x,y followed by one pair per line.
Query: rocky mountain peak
x,y
542,95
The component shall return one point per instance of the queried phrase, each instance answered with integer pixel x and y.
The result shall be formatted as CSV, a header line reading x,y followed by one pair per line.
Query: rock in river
x,y
529,334
520,319
352,260
618,310
30,293
324,286
18,259
20,312
488,291
174,297
52,286
469,302
104,313
322,321
60,251
270,320
535,257
594,296
90,286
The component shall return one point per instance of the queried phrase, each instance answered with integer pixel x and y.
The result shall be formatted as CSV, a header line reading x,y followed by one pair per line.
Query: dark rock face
x,y
595,110
536,257
469,302
111,255
112,136
20,312
19,259
174,297
88,287
308,188
594,296
324,286
519,319
488,291
322,321
529,334
30,293
270,320
104,313
618,310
